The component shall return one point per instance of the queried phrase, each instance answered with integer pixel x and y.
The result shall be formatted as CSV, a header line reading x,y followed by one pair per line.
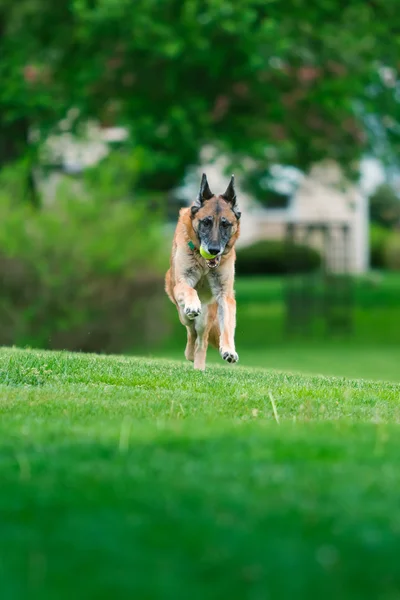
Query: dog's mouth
x,y
213,262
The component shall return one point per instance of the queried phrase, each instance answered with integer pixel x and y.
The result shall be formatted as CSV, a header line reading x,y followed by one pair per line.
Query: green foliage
x,y
283,81
270,257
392,251
385,206
147,480
378,237
82,273
385,248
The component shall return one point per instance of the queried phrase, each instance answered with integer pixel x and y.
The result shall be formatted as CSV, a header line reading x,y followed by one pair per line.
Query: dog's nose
x,y
214,250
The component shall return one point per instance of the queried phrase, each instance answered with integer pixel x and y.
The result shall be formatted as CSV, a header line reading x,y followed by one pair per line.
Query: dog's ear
x,y
204,194
230,196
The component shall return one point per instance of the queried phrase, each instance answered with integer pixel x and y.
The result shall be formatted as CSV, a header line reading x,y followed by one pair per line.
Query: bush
x,y
384,205
82,274
270,257
392,252
378,237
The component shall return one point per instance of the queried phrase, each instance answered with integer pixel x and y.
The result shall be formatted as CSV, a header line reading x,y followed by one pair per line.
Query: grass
x,y
132,478
377,362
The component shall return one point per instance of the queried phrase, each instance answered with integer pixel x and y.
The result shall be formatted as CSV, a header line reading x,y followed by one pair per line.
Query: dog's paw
x,y
192,311
229,355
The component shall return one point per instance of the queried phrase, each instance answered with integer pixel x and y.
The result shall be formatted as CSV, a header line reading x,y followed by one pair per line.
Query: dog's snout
x,y
214,250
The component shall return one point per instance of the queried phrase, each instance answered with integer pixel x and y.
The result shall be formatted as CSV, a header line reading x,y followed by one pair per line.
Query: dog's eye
x,y
225,223
207,221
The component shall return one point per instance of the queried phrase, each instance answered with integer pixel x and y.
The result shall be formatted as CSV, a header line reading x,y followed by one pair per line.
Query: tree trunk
x,y
14,136
14,144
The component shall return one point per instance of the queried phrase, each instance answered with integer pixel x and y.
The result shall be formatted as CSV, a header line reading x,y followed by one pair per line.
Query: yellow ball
x,y
205,254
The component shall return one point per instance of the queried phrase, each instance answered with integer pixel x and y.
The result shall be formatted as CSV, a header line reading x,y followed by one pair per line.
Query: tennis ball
x,y
205,254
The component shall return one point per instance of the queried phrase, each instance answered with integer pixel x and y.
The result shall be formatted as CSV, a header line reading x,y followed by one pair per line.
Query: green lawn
x,y
136,478
372,361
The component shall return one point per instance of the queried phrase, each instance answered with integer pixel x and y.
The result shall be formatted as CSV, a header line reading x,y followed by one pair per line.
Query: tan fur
x,y
204,298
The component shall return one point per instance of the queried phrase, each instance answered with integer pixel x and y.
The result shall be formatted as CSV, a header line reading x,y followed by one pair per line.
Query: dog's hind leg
x,y
214,332
191,341
202,325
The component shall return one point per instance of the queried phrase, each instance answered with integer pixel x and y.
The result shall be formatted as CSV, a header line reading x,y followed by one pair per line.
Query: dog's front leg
x,y
227,324
188,300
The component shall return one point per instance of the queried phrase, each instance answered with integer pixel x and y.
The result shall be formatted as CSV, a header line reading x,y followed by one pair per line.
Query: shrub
x,y
270,257
392,252
82,274
384,206
378,237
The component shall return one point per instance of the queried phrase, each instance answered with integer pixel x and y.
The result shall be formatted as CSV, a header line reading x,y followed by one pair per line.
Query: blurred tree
x,y
288,81
385,207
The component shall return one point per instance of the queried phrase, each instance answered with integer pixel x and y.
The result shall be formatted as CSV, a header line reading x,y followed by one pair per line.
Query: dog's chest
x,y
206,289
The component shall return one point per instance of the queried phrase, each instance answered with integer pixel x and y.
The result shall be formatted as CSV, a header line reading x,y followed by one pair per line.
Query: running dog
x,y
200,279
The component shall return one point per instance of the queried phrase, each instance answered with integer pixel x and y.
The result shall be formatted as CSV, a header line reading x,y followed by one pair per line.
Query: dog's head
x,y
215,220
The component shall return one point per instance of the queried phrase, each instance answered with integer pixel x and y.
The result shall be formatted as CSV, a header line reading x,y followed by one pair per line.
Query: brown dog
x,y
202,289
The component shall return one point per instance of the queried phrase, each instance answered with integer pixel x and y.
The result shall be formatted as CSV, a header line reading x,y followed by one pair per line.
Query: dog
x,y
203,288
